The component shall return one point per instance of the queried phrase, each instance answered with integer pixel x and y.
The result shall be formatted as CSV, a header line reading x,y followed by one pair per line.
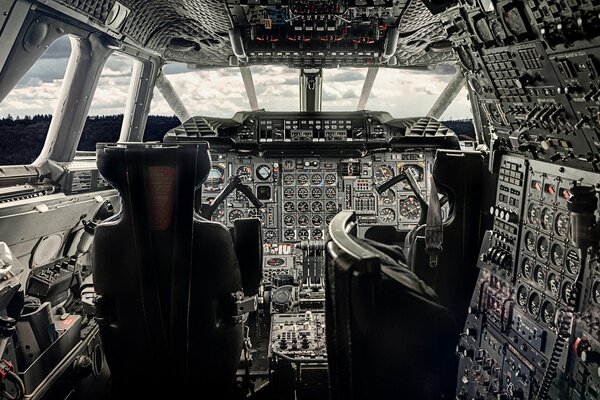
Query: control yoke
x,y
407,176
234,183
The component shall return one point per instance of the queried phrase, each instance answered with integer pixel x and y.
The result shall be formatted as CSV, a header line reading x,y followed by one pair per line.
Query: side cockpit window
x,y
105,117
26,112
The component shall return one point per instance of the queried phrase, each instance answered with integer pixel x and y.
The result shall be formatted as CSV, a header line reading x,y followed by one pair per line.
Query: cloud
x,y
61,48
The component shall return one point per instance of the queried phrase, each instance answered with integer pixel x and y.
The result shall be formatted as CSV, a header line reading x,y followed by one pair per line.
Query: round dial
x,y
289,220
330,179
553,283
533,304
303,206
409,208
527,268
533,214
216,177
289,234
522,295
540,276
331,206
303,234
572,262
302,220
317,193
596,292
530,241
289,206
235,214
547,313
317,234
302,179
244,172
330,193
317,220
388,197
543,247
317,207
254,213
566,292
387,215
288,179
263,172
329,218
557,255
316,179
303,193
416,171
289,193
270,235
383,173
547,218
561,226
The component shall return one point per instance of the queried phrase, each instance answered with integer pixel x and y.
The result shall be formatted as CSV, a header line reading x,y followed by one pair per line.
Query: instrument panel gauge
x,y
596,292
553,283
387,215
302,220
330,179
244,173
547,313
557,255
289,234
383,173
303,206
289,206
546,219
316,192
522,295
316,179
409,208
566,292
540,276
530,242
417,172
270,235
302,179
329,218
317,234
543,247
302,193
533,214
331,206
330,193
317,207
527,268
216,177
303,234
255,213
263,172
234,215
534,303
561,225
289,220
288,179
317,220
572,262
388,197
289,193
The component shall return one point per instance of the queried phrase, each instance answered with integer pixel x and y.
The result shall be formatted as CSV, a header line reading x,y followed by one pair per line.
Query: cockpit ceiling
x,y
302,33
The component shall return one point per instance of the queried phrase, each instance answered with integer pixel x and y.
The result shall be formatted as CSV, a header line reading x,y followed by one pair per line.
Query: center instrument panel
x,y
302,194
528,335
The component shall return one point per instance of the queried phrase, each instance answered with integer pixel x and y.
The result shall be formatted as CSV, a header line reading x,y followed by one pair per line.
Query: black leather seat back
x,y
387,335
164,277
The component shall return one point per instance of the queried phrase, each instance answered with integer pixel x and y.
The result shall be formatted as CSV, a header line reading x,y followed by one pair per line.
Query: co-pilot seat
x,y
168,282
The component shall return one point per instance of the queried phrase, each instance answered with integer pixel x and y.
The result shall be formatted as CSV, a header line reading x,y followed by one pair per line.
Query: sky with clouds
x,y
220,92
